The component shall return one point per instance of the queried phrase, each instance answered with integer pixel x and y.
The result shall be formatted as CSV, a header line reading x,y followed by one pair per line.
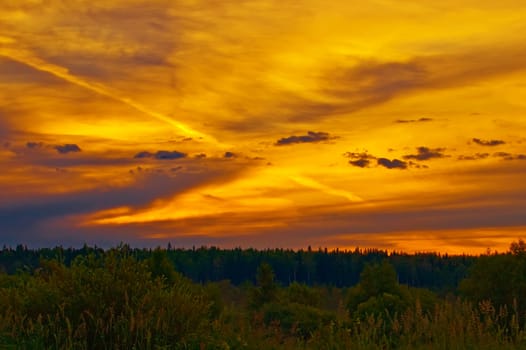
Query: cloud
x,y
361,163
501,155
509,156
229,155
26,213
421,120
161,155
94,160
361,160
311,136
143,154
67,148
60,72
364,160
476,156
169,155
426,153
34,145
488,142
392,164
350,86
23,219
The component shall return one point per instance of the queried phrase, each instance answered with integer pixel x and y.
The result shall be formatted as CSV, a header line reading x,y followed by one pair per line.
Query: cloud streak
x,y
420,120
310,137
28,59
67,148
490,143
392,164
161,155
426,153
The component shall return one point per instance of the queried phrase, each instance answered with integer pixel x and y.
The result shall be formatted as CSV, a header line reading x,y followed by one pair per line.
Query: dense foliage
x,y
138,299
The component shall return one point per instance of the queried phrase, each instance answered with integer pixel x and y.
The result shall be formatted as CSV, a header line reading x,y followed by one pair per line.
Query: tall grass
x,y
454,324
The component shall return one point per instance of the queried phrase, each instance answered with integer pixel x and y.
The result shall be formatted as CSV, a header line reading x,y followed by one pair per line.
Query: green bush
x,y
104,302
296,319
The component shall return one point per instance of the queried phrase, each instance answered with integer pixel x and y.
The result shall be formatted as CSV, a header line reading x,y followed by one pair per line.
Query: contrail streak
x,y
63,73
311,183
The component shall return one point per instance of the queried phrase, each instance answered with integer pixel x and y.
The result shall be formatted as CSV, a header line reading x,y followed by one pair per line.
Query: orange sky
x,y
386,124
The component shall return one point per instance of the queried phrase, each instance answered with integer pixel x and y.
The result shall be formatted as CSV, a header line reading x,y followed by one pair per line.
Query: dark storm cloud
x,y
421,120
67,148
426,153
392,164
488,142
311,136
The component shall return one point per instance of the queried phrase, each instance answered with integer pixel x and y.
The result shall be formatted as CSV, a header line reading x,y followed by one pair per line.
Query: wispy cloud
x,y
420,120
426,153
68,148
29,59
310,137
490,143
161,155
392,164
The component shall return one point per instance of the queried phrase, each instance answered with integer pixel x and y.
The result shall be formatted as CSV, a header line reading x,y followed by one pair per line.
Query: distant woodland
x,y
211,298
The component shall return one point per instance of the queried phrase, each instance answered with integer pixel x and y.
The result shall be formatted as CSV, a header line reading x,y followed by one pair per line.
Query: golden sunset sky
x,y
387,124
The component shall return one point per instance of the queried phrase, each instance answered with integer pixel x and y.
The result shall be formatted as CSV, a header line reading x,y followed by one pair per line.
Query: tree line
x,y
339,268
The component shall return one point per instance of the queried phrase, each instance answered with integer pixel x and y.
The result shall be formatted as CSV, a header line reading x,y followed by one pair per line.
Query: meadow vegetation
x,y
124,298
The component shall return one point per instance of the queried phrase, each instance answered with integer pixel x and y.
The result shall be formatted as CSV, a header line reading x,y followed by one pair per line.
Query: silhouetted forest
x,y
209,298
